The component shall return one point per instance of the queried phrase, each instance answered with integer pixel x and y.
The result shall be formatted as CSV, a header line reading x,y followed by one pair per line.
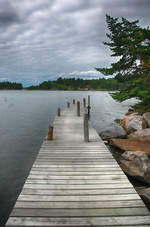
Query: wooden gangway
x,y
77,183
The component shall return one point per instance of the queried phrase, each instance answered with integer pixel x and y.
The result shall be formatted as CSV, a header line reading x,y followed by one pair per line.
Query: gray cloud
x,y
43,39
8,14
7,18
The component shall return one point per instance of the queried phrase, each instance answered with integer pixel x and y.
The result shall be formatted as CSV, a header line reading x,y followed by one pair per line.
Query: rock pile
x,y
133,137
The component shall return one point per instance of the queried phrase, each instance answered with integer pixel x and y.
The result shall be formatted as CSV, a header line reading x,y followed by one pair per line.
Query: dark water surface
x,y
24,119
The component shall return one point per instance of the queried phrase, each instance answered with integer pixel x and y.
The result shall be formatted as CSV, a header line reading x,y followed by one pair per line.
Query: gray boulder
x,y
147,118
133,122
143,134
115,131
145,195
137,165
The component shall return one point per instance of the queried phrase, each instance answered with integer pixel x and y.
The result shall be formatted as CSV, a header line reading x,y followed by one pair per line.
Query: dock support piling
x,y
86,127
73,101
78,109
58,112
84,102
50,133
68,104
88,107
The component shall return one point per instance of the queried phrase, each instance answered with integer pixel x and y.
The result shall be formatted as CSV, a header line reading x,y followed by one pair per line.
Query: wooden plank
x,y
62,146
74,155
95,221
78,150
79,160
67,182
79,212
75,158
84,163
74,149
78,186
74,173
82,177
116,191
78,198
69,171
58,166
80,205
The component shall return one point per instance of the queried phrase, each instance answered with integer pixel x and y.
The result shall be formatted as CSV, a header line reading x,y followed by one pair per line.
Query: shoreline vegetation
x,y
69,84
10,86
72,84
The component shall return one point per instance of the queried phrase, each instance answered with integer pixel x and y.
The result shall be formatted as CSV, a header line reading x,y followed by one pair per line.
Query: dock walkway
x,y
74,183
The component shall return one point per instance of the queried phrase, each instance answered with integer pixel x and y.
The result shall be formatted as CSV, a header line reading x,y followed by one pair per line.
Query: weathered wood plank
x,y
75,166
78,150
84,163
73,150
75,173
78,182
27,191
77,186
78,160
78,198
95,221
80,205
74,155
82,177
79,212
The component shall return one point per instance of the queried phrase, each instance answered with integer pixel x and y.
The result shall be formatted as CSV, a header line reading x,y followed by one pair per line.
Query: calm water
x,y
24,119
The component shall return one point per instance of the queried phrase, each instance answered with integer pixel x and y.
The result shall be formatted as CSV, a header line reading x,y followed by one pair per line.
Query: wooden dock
x,y
77,183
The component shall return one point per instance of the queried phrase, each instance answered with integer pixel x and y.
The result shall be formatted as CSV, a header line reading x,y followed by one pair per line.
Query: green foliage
x,y
131,44
10,86
78,84
138,88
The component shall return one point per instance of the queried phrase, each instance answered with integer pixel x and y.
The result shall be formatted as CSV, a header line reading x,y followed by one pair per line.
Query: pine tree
x,y
131,44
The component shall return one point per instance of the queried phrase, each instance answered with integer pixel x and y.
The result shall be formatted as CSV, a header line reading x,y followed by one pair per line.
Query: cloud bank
x,y
44,39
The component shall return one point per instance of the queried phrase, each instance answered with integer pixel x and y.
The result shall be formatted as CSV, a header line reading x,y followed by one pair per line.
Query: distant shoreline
x,y
67,84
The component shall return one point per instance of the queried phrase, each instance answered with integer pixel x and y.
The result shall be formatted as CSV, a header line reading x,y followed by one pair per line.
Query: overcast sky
x,y
44,39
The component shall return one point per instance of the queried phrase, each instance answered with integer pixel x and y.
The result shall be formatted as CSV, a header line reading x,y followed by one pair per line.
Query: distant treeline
x,y
78,84
10,86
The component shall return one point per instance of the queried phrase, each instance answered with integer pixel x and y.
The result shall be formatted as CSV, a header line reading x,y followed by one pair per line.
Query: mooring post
x,y
73,101
84,102
86,127
68,104
58,112
50,133
78,109
88,107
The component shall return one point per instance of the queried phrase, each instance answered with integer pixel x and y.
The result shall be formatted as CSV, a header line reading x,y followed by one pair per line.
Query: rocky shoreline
x,y
129,142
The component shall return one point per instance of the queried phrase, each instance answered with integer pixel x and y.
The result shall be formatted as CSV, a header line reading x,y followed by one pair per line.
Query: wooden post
x,y
88,107
68,104
84,102
73,101
50,133
86,127
58,112
78,109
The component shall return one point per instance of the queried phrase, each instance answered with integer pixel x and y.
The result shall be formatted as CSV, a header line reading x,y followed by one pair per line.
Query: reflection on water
x,y
24,119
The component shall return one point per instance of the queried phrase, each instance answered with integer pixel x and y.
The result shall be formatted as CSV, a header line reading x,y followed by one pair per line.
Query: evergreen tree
x,y
131,44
